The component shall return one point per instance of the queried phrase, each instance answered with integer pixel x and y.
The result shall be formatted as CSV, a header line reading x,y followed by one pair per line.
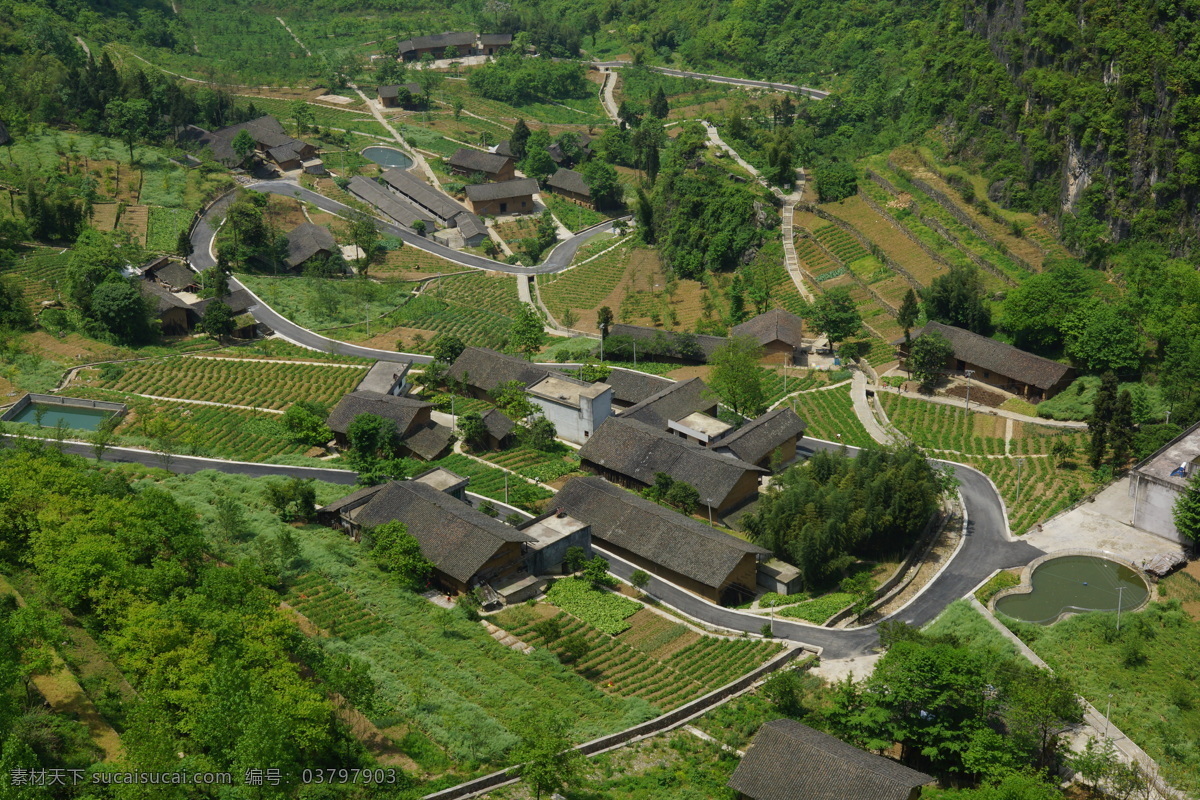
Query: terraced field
x,y
212,431
840,243
260,385
485,291
657,660
585,286
895,245
38,272
828,414
332,609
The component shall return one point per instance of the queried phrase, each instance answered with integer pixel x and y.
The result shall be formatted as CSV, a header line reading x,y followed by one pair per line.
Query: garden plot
x,y
40,272
584,288
332,609
537,465
270,385
486,291
1044,488
829,413
164,226
213,431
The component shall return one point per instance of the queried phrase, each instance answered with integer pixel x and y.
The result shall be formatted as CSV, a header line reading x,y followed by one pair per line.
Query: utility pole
x,y
1107,712
969,373
506,488
1120,597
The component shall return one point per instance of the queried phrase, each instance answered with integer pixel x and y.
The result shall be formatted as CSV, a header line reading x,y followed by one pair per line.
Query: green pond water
x,y
387,157
73,417
1075,584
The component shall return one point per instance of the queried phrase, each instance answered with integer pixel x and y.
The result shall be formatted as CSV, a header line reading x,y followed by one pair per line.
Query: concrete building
x,y
506,197
386,377
1156,483
577,408
554,533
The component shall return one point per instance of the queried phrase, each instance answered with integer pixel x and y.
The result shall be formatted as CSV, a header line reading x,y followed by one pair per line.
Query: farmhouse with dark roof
x,y
492,166
506,197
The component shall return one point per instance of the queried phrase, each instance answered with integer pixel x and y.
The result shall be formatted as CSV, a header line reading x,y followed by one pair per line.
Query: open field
x,y
882,233
261,385
485,291
830,416
323,303
40,272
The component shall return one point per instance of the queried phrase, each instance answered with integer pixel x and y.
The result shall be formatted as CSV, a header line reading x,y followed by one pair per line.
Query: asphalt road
x,y
986,547
815,94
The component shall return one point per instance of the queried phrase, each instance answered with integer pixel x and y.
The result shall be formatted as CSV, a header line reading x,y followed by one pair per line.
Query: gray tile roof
x,y
422,195
631,386
305,241
458,539
470,225
394,89
175,275
267,132
471,160
163,299
382,376
375,195
638,451
568,180
504,190
665,537
775,325
459,40
429,441
504,148
1003,359
289,151
787,760
670,343
239,302
673,402
487,369
498,423
758,438
401,410
495,39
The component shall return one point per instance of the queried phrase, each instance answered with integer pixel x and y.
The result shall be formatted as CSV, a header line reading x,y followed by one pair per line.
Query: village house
x,y
388,204
765,441
688,553
575,407
499,427
436,45
493,167
506,197
466,547
175,316
172,275
1157,482
631,387
401,95
270,142
631,453
780,334
419,436
675,401
428,201
994,363
306,242
386,377
471,228
491,44
787,760
570,184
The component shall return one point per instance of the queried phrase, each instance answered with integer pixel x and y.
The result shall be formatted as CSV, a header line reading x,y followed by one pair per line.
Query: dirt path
x,y
307,52
418,159
606,95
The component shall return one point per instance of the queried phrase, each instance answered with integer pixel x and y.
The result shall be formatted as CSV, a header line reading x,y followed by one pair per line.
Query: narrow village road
x,y
815,94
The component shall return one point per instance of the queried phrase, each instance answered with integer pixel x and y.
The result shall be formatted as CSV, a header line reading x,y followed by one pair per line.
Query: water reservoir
x,y
1074,584
387,157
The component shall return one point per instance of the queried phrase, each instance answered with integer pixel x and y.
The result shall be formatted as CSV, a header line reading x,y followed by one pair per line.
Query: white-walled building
x,y
1156,483
575,407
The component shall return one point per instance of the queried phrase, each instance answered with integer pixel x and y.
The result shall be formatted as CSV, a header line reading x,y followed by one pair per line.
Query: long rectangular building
x,y
391,206
422,195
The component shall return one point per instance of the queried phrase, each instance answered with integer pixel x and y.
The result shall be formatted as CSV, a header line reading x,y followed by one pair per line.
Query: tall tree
x,y
548,763
528,333
218,320
1186,511
130,120
365,235
835,315
957,298
397,551
927,358
735,376
371,437
1100,422
243,146
518,139
1121,431
302,115
659,108
908,314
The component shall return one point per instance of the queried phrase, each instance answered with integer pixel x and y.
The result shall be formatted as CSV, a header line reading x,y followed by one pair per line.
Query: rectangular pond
x,y
71,412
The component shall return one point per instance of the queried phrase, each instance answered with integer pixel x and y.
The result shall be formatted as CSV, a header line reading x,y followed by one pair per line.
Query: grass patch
x,y
964,623
162,234
819,609
573,215
1075,402
323,303
998,582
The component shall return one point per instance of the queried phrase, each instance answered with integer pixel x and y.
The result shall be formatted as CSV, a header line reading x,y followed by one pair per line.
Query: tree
x,y
595,569
1034,312
302,115
518,138
683,495
1038,705
538,164
574,648
304,421
218,320
129,120
956,298
419,227
927,358
365,235
447,348
472,429
103,436
835,180
1102,336
639,578
1121,431
122,310
397,551
371,437
908,314
294,499
604,319
575,558
1186,511
601,179
1061,450
1100,422
835,315
243,146
735,376
527,334
183,244
541,433
659,108
510,397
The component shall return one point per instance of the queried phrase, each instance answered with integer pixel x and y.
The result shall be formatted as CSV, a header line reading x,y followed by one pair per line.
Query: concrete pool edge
x,y
1026,584
411,161
32,398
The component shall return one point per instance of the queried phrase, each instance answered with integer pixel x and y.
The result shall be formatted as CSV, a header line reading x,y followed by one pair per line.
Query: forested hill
x,y
1086,111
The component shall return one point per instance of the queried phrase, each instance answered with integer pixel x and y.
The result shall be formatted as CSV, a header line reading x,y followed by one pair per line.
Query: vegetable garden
x,y
537,465
828,414
490,482
331,608
263,384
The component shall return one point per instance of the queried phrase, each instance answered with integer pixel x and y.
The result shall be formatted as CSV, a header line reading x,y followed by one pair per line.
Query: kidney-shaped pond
x,y
1074,584
388,157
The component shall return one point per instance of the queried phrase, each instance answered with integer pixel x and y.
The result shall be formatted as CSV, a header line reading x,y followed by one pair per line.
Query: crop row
x,y
479,290
840,243
830,414
259,384
475,326
162,234
1041,491
212,430
819,609
490,482
585,286
814,257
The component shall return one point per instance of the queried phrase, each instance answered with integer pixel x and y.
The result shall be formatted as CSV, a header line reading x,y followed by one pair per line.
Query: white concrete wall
x,y
576,424
1152,509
